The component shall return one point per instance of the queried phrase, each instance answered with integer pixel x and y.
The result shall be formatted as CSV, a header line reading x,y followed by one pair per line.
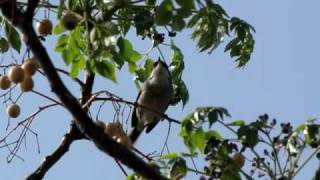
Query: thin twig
x,y
120,166
167,137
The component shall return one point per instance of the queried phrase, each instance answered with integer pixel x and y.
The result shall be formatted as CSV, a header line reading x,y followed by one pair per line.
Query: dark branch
x,y
49,161
73,134
82,119
32,5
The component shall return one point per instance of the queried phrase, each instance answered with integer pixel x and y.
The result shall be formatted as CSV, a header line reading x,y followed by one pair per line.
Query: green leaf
x,y
62,43
178,23
143,21
301,128
76,66
109,28
188,4
67,56
169,156
231,44
123,23
212,117
220,10
183,12
151,2
131,177
163,13
58,29
181,93
117,58
230,173
13,36
198,138
60,9
177,64
178,169
72,4
216,113
211,133
132,67
237,123
127,51
143,73
106,69
194,20
4,45
248,136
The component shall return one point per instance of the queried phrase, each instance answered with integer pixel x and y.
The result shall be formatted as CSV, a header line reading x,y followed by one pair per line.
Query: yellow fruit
x,y
27,84
44,27
30,67
238,158
16,74
4,82
13,110
69,21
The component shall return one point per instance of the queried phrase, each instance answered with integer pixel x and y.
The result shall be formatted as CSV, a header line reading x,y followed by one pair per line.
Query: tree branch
x,y
118,99
82,119
32,5
49,161
73,134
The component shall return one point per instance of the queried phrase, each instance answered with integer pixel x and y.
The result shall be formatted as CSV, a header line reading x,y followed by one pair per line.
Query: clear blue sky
x,y
281,79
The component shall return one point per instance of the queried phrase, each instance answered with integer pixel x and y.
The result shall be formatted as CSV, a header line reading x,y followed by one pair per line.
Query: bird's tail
x,y
134,134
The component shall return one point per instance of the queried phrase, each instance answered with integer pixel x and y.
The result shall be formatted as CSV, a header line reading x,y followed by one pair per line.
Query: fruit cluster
x,y
115,130
69,21
22,76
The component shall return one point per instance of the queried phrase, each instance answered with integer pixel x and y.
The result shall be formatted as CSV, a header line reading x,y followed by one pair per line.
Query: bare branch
x,y
115,98
49,161
73,134
47,97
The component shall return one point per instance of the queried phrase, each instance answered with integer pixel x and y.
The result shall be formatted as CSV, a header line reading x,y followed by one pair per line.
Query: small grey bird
x,y
155,94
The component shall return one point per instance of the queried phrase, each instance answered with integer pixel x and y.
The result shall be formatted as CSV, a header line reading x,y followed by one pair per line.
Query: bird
x,y
153,100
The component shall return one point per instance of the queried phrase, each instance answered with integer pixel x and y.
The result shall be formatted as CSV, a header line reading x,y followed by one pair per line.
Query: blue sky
x,y
281,79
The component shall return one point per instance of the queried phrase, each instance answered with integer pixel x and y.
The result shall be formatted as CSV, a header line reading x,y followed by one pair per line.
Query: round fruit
x,y
238,159
44,27
124,140
69,21
4,82
16,74
30,67
27,84
13,110
113,129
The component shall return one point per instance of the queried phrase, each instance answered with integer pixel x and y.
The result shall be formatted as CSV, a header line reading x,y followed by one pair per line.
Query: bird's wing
x,y
134,119
151,126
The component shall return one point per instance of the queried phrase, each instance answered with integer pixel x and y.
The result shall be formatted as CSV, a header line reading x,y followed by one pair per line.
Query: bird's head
x,y
160,69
